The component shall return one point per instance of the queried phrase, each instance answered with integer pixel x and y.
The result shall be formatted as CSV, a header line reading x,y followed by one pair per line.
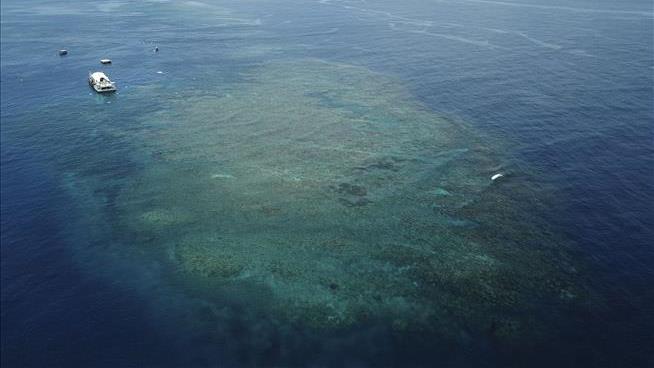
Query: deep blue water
x,y
567,87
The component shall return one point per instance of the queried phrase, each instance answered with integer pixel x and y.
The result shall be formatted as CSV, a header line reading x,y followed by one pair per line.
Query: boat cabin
x,y
101,83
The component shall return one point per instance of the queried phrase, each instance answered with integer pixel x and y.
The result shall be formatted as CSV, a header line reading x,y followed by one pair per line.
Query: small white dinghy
x,y
105,61
101,83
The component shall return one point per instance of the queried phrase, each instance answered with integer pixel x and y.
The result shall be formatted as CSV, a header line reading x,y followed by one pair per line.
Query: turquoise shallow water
x,y
304,184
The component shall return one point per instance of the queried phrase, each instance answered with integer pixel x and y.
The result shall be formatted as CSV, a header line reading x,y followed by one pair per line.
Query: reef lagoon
x,y
309,184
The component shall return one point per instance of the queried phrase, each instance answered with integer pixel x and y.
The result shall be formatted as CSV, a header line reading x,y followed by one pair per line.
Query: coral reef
x,y
330,189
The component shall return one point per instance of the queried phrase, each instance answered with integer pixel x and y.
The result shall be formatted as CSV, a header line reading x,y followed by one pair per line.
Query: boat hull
x,y
100,89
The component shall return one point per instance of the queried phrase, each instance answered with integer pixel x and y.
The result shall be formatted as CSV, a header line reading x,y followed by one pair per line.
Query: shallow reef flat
x,y
331,191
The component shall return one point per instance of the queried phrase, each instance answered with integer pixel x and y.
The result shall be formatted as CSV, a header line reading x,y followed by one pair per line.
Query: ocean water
x,y
307,183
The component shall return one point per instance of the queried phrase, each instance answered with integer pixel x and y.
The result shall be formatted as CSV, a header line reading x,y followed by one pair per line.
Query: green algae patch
x,y
330,189
162,217
205,262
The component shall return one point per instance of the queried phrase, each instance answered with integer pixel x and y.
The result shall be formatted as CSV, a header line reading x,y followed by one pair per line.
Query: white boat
x,y
105,61
101,83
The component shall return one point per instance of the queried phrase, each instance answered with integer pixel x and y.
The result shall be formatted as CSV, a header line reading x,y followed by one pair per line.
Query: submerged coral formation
x,y
328,187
